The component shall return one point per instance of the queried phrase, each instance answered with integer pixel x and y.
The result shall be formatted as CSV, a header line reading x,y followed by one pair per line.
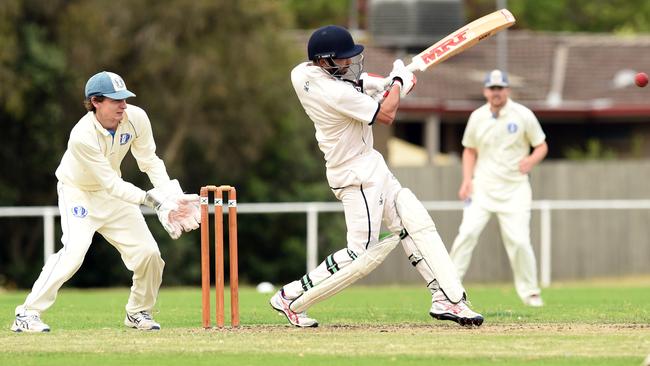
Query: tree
x,y
213,76
618,16
32,70
317,13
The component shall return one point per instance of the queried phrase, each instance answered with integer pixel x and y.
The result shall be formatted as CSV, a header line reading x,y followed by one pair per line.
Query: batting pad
x,y
349,274
422,230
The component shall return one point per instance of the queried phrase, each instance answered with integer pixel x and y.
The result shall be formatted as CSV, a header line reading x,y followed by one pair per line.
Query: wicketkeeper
x,y
344,106
94,198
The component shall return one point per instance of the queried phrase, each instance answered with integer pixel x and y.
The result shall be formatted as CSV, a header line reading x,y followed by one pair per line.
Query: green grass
x,y
602,323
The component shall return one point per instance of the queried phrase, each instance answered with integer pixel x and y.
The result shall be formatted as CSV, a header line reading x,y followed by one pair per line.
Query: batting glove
x,y
373,85
404,76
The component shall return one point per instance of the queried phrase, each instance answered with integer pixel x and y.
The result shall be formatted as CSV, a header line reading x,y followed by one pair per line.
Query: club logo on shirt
x,y
512,127
124,138
79,211
306,86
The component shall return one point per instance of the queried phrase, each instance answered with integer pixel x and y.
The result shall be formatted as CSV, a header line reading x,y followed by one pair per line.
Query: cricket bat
x,y
461,40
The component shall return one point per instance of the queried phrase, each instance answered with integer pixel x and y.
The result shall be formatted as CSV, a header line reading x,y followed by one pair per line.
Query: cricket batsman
x,y
94,198
344,106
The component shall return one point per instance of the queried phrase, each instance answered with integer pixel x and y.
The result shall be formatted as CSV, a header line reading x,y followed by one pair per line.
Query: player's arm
x,y
402,83
143,148
537,138
388,108
183,211
469,162
528,163
91,157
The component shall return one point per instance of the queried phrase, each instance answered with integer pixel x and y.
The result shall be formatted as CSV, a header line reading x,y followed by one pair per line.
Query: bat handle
x,y
411,67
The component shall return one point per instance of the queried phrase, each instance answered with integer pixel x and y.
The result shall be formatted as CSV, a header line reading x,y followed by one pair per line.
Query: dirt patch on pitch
x,y
495,328
443,328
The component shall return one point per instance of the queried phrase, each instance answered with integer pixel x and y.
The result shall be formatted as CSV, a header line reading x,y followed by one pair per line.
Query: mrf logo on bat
x,y
445,47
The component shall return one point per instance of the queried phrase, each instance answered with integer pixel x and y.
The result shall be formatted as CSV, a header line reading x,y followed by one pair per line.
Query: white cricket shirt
x,y
502,142
342,115
93,158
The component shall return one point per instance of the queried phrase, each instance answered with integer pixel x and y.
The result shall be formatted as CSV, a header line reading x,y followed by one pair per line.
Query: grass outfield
x,y
598,323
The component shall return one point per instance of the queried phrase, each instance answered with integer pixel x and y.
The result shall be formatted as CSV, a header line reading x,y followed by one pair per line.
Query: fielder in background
x,y
496,163
344,106
94,198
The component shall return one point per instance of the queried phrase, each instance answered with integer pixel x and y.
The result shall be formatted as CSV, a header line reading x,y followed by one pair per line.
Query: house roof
x,y
551,73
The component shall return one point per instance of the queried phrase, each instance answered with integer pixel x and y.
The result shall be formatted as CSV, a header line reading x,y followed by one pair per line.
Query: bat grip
x,y
412,67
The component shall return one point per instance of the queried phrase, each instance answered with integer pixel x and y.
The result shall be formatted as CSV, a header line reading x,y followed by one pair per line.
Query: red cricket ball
x,y
641,79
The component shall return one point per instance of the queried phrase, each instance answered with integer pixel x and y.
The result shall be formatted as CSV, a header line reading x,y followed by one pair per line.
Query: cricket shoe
x,y
281,304
443,309
534,301
141,320
29,322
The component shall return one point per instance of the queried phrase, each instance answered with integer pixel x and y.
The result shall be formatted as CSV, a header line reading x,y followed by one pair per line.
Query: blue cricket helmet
x,y
332,41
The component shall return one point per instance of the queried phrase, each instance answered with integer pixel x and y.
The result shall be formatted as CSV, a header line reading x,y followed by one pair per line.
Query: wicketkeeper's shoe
x,y
534,301
443,309
281,304
141,320
29,322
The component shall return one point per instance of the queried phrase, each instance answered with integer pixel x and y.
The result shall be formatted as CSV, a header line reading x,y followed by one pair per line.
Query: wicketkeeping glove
x,y
188,214
404,76
176,211
160,202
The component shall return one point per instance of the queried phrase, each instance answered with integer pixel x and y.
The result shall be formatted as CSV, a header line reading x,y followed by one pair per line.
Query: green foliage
x,y
622,16
637,146
618,16
594,150
213,75
317,13
32,70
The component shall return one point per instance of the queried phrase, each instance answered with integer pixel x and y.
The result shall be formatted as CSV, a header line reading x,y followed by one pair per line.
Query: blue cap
x,y
107,84
496,78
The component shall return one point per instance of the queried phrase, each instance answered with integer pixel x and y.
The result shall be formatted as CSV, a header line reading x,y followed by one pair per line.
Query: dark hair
x,y
89,104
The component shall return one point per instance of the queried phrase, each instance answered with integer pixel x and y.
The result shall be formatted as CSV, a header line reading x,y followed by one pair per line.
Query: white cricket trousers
x,y
514,224
365,206
122,225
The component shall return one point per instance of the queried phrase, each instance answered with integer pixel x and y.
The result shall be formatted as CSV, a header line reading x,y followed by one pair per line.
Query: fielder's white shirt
x,y
502,142
93,158
342,116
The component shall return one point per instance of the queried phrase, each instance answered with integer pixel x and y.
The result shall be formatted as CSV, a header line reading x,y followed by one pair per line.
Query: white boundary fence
x,y
312,209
